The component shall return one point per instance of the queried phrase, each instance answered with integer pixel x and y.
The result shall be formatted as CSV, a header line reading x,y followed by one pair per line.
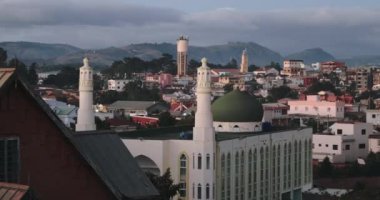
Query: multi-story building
x,y
342,142
227,155
361,79
117,85
373,117
333,66
293,68
314,106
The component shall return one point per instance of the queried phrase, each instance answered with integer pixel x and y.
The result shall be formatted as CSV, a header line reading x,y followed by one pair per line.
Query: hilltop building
x,y
227,154
244,62
182,46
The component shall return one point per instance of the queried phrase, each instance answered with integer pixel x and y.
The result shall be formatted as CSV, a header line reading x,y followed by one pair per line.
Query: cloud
x,y
98,13
97,24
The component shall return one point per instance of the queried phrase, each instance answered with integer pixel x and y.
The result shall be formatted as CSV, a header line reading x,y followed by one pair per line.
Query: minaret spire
x,y
86,118
244,62
203,129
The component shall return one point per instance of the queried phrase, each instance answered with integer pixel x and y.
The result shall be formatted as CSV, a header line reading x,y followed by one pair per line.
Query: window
x,y
319,145
182,175
328,109
306,108
339,131
199,161
207,191
193,190
363,131
361,146
373,116
347,147
208,161
335,147
199,195
327,145
9,160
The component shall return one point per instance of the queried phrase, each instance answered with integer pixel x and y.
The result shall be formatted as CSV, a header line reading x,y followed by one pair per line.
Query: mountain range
x,y
62,54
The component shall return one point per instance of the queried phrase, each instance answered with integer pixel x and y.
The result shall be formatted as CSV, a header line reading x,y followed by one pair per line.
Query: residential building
x,y
314,106
293,68
374,143
342,142
276,114
117,85
137,108
373,117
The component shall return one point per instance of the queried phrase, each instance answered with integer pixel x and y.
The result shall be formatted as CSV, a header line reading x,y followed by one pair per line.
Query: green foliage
x,y
125,68
276,65
101,125
282,92
20,67
32,74
68,77
228,88
3,57
166,119
322,86
325,169
164,184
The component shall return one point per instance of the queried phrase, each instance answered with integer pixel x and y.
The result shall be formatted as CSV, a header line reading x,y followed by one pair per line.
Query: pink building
x,y
165,79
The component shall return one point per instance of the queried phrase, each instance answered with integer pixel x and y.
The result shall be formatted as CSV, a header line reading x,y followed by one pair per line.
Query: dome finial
x,y
85,62
204,62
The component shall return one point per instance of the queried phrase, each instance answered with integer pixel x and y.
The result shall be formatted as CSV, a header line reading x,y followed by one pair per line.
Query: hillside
x,y
60,54
311,56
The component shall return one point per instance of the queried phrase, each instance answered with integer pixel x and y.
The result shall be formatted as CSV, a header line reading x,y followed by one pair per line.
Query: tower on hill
x,y
182,46
86,117
244,62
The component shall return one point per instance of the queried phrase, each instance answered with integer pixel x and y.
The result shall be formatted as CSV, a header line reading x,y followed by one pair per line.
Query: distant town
x,y
179,128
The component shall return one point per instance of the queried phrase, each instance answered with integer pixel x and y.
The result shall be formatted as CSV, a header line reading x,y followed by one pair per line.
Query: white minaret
x,y
203,136
244,62
86,117
182,46
203,129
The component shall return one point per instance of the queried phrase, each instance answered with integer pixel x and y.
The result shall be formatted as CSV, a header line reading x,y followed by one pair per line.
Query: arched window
x,y
207,191
182,175
250,174
236,128
228,176
242,178
208,161
199,161
199,195
237,168
222,171
193,190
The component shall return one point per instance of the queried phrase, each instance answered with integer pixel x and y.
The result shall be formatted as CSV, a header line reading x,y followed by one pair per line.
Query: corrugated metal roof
x,y
116,164
5,74
11,191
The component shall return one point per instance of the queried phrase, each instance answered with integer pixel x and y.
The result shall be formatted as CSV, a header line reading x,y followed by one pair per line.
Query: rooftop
x,y
174,133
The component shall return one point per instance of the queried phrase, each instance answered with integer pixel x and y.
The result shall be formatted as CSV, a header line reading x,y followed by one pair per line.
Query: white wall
x,y
373,116
241,126
315,107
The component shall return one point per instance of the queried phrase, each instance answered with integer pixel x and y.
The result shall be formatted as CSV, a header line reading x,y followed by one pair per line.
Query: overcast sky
x,y
342,27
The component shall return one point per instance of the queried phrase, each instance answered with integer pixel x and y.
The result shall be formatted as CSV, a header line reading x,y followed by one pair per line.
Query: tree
x,y
3,57
101,125
275,65
322,86
164,185
282,92
228,87
32,74
325,169
166,119
20,66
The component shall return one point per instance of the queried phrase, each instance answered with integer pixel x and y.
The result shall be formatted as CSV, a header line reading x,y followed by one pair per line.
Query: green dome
x,y
237,106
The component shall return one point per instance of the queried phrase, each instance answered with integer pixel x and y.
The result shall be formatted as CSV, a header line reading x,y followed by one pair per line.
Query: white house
x,y
313,106
226,155
117,85
373,117
342,142
374,143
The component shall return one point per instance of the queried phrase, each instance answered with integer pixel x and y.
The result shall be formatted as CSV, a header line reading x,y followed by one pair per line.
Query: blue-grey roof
x,y
115,164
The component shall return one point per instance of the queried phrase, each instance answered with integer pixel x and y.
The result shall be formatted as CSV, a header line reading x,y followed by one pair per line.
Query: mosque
x,y
227,154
